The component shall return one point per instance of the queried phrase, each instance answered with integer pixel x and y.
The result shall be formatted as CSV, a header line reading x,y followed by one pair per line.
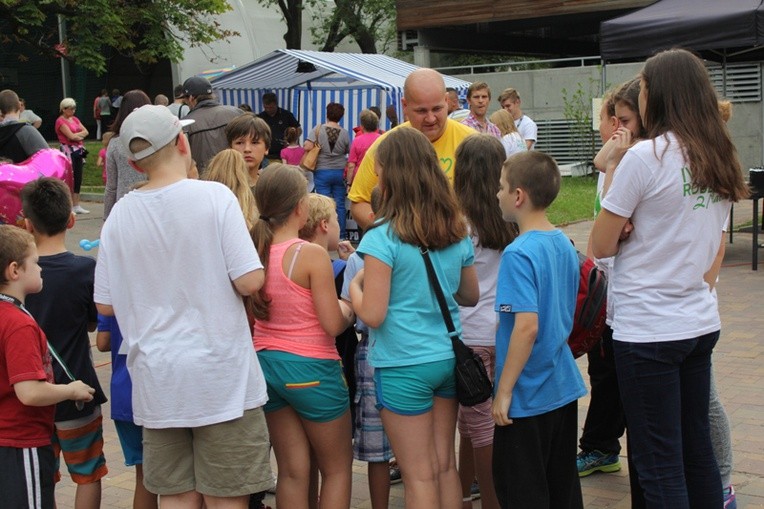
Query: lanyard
x,y
53,353
16,302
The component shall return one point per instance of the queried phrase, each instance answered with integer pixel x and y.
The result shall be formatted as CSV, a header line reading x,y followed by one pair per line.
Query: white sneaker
x,y
78,209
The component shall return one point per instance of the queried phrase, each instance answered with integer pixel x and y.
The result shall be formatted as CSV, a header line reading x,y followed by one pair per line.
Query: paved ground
x,y
738,361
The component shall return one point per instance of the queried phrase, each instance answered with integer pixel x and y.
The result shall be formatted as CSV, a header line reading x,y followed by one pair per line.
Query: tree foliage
x,y
370,23
145,30
578,111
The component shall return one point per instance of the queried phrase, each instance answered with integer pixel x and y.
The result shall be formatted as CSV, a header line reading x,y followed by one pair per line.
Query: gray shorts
x,y
228,459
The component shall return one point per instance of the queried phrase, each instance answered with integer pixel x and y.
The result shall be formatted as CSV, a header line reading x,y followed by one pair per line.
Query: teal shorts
x,y
315,388
409,390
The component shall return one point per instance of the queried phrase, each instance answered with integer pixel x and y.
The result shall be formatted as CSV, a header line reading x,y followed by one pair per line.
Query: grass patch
x,y
92,181
575,201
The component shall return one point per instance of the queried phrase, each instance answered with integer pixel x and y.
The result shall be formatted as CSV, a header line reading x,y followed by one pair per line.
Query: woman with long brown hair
x,y
676,187
411,351
120,176
477,172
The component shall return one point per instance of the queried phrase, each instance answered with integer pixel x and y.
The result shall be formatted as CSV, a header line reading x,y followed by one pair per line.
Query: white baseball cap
x,y
155,124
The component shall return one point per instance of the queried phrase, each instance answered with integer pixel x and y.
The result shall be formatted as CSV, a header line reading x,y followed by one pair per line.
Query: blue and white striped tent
x,y
356,80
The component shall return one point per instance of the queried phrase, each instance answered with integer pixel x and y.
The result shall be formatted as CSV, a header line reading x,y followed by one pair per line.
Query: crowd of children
x,y
199,272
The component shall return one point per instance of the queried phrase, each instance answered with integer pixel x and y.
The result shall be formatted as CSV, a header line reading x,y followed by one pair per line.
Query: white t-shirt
x,y
166,263
479,322
527,129
604,264
658,290
513,143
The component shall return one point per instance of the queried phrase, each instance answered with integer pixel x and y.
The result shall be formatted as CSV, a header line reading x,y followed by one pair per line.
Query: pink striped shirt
x,y
293,324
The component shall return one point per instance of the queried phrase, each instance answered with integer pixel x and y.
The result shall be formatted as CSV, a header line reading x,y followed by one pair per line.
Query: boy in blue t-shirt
x,y
537,382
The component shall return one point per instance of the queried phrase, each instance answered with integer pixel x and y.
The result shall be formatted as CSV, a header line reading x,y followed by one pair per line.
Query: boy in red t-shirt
x,y
27,396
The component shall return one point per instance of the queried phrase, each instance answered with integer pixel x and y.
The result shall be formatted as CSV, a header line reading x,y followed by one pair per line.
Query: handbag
x,y
310,157
473,386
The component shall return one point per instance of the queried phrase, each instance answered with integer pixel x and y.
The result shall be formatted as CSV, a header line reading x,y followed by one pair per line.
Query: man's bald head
x,y
424,102
423,79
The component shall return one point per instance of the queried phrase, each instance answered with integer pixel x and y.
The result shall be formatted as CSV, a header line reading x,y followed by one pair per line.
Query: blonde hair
x,y
67,103
320,208
509,93
504,121
229,168
725,109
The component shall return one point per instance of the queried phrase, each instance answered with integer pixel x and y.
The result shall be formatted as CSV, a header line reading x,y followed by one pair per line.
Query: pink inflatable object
x,y
45,163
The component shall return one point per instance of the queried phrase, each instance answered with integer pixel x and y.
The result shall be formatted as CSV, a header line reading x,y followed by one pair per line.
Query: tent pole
x,y
724,74
603,78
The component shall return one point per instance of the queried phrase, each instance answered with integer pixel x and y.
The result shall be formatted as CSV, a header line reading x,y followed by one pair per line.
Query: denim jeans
x,y
665,390
331,183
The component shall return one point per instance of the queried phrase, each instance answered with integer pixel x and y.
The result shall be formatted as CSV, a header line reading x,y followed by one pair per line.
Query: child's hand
x,y
622,139
345,249
80,391
500,409
626,230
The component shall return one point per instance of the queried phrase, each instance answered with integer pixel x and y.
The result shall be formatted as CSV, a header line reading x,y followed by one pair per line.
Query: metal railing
x,y
593,60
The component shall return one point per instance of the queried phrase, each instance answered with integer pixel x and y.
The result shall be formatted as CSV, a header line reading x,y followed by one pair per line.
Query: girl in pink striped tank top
x,y
297,315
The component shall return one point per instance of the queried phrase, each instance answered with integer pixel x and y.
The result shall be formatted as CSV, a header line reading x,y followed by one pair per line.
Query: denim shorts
x,y
315,388
409,390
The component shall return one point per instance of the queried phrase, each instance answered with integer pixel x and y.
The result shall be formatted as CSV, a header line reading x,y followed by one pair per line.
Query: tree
x,y
144,30
291,11
578,111
369,22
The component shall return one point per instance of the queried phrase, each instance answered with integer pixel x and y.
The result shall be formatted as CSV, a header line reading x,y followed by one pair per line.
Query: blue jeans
x,y
664,390
332,184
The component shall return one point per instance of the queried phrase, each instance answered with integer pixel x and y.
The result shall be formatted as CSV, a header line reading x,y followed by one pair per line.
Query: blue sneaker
x,y
729,498
596,461
475,490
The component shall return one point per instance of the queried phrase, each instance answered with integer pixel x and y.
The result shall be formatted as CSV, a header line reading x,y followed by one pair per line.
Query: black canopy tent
x,y
719,30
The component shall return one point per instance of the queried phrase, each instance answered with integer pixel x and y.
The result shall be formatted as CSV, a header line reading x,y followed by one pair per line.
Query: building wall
x,y
542,99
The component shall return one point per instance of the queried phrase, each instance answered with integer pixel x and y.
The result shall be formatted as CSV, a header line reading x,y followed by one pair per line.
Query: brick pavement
x,y
738,363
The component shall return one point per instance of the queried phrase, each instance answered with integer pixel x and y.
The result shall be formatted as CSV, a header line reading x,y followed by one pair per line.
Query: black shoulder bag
x,y
472,383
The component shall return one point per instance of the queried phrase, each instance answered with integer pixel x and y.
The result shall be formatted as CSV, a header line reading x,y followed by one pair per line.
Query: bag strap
x,y
438,293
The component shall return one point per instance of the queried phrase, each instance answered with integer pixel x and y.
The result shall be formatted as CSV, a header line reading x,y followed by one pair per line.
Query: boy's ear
x,y
72,220
10,272
183,144
521,197
28,226
324,225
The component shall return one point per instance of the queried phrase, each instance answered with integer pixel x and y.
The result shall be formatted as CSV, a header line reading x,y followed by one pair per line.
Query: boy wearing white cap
x,y
181,256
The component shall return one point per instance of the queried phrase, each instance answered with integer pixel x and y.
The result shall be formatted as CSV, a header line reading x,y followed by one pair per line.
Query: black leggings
x,y
78,162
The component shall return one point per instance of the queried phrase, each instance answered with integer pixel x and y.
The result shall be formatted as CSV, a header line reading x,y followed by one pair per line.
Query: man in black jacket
x,y
18,140
207,134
